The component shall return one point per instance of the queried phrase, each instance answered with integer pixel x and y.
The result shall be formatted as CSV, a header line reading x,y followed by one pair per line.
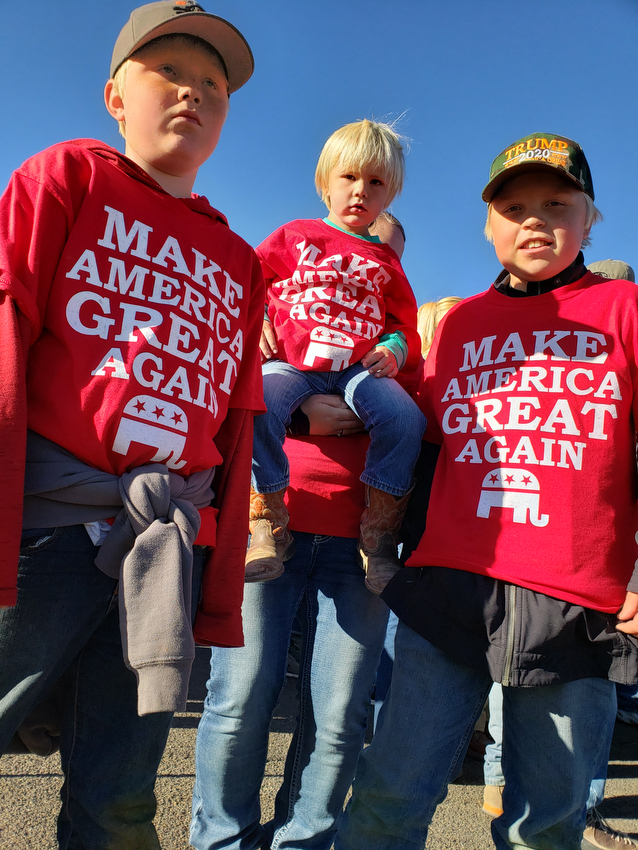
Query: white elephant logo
x,y
329,345
512,488
157,423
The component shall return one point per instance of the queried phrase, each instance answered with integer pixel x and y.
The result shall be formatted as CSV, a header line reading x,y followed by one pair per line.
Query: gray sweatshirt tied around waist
x,y
149,549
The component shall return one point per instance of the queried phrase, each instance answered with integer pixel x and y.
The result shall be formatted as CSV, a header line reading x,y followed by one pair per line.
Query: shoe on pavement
x,y
599,834
493,800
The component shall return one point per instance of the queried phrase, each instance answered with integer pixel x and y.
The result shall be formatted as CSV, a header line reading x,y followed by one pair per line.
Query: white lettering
x,y
179,339
598,431
155,378
115,224
113,360
471,356
461,422
88,264
101,326
140,318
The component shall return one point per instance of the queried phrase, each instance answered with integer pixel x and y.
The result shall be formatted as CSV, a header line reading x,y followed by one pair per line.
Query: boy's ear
x,y
113,101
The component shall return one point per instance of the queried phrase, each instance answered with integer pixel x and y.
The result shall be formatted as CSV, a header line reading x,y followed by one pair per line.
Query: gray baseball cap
x,y
167,17
613,269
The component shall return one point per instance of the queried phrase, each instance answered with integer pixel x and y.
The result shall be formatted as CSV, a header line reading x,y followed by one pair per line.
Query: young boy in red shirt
x,y
525,574
130,317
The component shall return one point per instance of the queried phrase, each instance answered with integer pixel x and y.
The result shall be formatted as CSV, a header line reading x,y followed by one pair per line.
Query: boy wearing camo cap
x,y
525,574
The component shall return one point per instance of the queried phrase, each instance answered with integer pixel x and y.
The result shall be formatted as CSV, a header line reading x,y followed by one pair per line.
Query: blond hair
x,y
593,215
428,317
119,82
363,144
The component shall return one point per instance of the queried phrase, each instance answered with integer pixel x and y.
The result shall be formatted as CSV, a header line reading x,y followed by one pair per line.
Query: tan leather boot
x,y
378,536
270,542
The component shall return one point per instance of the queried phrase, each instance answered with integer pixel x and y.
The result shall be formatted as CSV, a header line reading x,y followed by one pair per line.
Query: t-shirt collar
x,y
539,287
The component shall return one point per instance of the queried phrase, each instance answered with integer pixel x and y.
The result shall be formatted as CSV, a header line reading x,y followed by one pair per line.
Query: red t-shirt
x,y
535,401
325,495
136,308
332,295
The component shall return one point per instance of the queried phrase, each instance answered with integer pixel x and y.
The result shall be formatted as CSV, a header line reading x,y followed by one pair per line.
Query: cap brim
x,y
494,185
220,34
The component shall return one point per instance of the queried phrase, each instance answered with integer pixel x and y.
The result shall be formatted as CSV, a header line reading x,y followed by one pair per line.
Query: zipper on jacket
x,y
511,629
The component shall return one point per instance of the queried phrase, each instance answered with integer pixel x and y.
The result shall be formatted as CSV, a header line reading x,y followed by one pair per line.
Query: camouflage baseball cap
x,y
540,150
172,17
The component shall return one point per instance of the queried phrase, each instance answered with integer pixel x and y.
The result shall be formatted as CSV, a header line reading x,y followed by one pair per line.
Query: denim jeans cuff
x,y
270,488
380,485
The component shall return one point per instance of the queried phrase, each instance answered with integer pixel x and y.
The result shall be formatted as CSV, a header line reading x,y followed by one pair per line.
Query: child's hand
x,y
329,415
628,615
380,362
268,341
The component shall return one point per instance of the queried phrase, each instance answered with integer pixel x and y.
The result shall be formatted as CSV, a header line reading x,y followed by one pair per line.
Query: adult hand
x,y
628,615
329,415
268,341
380,362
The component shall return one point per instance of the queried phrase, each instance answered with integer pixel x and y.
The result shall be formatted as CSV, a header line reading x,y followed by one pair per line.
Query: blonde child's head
x,y
188,25
428,317
372,145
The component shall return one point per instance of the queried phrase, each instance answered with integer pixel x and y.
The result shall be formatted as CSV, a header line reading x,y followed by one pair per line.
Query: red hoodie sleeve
x,y
276,261
218,621
15,331
400,306
34,224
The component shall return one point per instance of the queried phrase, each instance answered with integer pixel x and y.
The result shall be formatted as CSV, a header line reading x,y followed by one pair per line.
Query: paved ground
x,y
29,787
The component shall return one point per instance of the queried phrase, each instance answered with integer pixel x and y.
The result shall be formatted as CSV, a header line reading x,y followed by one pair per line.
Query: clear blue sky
x,y
468,76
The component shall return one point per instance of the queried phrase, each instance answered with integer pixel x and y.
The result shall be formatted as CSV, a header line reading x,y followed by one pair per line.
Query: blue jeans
x,y
343,628
393,420
66,626
493,767
627,703
384,670
552,737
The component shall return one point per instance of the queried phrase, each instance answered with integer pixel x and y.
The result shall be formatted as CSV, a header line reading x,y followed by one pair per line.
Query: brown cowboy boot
x,y
378,536
270,542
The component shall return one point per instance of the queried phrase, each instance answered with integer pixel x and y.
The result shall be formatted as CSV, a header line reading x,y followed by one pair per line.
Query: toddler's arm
x,y
381,362
268,341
